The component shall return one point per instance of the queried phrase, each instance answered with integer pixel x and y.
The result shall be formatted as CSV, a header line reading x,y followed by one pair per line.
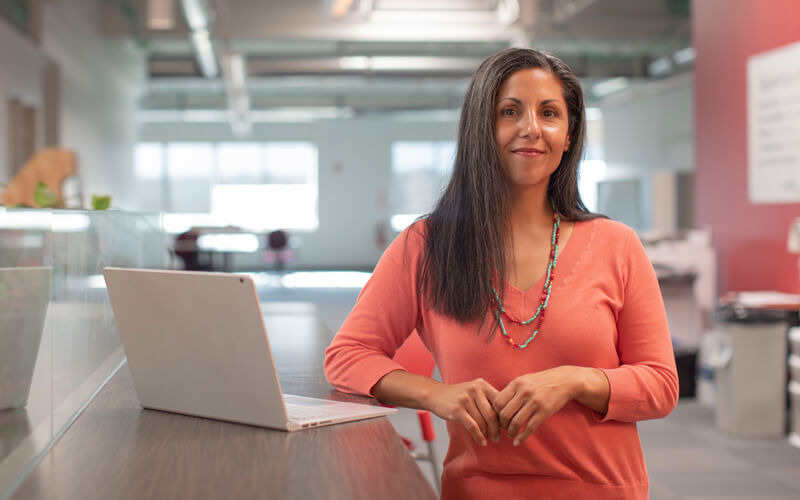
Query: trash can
x,y
794,423
750,374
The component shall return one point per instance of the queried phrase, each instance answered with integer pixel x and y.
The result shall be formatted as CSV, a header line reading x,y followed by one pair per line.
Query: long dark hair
x,y
465,239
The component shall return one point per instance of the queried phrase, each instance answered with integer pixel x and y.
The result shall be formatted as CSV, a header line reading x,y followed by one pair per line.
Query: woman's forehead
x,y
531,82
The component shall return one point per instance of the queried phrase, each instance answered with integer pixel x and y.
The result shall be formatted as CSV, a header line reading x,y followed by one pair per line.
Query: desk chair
x,y
415,357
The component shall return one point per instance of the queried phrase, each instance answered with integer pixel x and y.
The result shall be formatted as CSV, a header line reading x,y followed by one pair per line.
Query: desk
x,y
116,449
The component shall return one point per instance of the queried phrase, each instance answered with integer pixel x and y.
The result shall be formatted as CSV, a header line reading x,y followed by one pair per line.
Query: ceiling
x,y
384,56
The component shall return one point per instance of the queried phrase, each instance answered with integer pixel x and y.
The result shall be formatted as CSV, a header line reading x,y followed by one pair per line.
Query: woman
x,y
546,321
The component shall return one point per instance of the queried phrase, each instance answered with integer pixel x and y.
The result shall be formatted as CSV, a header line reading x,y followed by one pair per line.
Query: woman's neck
x,y
531,213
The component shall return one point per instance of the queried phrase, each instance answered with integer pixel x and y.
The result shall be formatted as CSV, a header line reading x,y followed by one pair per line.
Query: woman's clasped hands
x,y
519,408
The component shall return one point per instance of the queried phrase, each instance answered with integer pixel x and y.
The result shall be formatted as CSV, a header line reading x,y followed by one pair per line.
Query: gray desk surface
x,y
118,450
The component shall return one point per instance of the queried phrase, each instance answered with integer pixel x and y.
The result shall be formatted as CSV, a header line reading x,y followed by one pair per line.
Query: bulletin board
x,y
773,125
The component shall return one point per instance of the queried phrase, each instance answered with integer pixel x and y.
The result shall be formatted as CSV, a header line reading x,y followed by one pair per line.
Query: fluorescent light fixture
x,y
610,86
507,11
204,50
238,73
402,221
684,56
228,242
594,114
274,115
423,115
339,8
360,63
660,66
408,63
235,75
302,114
160,14
431,18
195,12
326,279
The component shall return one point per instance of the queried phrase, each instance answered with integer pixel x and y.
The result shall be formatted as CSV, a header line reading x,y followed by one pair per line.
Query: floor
x,y
687,456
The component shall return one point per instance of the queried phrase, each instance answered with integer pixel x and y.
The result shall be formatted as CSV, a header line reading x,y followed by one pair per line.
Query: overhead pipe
x,y
198,20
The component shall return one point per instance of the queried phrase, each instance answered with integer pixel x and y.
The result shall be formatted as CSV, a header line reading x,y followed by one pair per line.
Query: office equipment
x,y
24,297
196,344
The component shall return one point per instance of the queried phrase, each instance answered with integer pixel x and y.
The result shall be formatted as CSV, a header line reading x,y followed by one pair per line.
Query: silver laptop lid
x,y
196,344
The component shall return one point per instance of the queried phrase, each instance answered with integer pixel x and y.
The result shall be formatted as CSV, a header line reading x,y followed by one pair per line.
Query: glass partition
x,y
58,338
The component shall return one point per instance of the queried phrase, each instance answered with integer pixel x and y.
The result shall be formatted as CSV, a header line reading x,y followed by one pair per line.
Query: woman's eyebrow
x,y
546,101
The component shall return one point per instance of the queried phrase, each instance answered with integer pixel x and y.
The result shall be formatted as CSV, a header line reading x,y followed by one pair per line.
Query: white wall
x,y
100,81
648,129
21,66
352,201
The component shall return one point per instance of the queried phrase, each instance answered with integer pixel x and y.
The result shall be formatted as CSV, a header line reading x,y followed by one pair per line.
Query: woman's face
x,y
531,126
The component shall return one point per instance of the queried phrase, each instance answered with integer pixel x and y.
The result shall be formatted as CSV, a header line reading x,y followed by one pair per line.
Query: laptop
x,y
196,344
24,297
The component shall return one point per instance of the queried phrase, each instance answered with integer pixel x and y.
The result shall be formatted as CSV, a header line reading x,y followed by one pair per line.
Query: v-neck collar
x,y
521,305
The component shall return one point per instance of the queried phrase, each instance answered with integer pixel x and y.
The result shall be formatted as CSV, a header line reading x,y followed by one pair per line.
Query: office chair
x,y
415,357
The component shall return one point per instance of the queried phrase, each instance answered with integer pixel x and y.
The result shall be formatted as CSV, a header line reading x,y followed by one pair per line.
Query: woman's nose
x,y
529,126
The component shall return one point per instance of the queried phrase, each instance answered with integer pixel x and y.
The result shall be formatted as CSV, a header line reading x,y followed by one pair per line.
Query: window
x,y
256,186
148,165
420,172
593,167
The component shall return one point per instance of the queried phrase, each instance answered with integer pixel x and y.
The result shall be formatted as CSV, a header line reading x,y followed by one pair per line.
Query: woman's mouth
x,y
528,152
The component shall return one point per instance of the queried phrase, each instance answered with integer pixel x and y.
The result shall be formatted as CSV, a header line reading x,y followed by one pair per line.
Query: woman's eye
x,y
507,112
549,113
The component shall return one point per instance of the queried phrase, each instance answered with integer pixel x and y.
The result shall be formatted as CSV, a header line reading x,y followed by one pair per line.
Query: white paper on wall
x,y
773,125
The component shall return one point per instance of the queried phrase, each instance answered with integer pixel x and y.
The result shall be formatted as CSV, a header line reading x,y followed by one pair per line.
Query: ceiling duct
x,y
235,78
197,17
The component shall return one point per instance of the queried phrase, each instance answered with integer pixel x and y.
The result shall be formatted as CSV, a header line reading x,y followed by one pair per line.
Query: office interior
x,y
293,140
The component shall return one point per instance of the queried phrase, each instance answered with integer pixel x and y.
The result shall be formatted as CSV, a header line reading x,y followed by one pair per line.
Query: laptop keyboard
x,y
300,412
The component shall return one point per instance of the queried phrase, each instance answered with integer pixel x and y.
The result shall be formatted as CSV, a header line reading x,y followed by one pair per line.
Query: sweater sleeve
x,y
385,314
645,385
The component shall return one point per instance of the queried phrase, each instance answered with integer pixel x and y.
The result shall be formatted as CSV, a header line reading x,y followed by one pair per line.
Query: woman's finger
x,y
508,410
533,423
502,398
471,425
520,418
490,417
477,417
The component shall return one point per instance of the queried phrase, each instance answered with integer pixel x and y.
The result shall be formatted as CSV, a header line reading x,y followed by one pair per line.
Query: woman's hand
x,y
469,403
530,399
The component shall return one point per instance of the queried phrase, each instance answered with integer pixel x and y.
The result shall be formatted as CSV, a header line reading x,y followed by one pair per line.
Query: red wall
x,y
750,239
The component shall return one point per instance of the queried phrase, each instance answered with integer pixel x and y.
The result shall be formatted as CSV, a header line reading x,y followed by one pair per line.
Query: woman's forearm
x,y
401,388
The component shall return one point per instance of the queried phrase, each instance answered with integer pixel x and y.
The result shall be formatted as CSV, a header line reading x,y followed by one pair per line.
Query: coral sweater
x,y
605,311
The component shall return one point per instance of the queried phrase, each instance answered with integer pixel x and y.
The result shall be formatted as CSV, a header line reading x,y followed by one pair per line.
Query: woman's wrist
x,y
591,388
429,395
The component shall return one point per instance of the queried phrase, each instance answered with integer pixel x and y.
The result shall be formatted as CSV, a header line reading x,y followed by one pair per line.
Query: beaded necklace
x,y
545,297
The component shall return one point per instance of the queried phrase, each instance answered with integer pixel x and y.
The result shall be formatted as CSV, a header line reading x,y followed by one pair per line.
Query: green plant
x,y
44,196
100,202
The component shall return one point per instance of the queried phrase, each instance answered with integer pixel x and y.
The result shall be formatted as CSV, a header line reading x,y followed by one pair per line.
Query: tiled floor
x,y
687,456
